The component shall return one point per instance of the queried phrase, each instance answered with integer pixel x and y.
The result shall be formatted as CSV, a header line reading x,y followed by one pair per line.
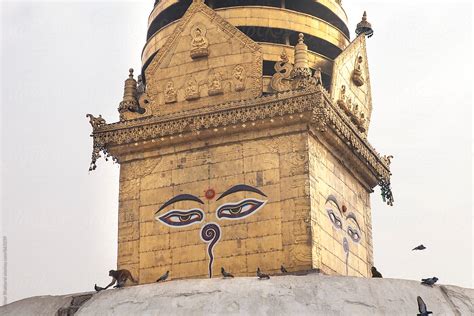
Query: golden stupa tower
x,y
243,143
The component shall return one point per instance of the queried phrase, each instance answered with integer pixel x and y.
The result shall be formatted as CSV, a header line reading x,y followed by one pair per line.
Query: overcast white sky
x,y
61,60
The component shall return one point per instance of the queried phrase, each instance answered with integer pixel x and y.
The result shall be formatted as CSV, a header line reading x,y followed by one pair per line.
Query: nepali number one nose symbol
x,y
211,232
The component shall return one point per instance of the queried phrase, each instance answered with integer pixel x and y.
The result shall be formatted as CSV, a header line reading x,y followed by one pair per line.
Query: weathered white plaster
x,y
281,295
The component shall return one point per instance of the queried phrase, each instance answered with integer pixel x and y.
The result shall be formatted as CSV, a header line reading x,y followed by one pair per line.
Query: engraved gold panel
x,y
343,71
202,80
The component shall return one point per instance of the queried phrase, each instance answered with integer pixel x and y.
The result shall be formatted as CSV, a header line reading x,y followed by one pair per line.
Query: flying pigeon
x,y
422,307
283,270
98,288
226,274
420,247
163,277
375,273
429,281
262,276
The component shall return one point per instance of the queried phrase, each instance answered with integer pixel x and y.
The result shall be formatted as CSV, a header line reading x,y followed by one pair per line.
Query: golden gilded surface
x,y
200,59
333,5
293,168
273,236
284,19
207,128
273,52
350,85
260,17
329,177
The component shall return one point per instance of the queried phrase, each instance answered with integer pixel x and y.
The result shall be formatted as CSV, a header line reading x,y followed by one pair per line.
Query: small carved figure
x,y
119,276
163,277
170,93
239,78
191,89
215,84
199,43
262,276
96,121
226,274
318,76
355,110
388,161
356,115
376,273
361,122
357,76
347,106
140,86
342,97
281,79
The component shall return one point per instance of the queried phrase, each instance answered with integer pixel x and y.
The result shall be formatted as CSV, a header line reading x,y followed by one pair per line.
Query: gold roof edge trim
x,y
316,100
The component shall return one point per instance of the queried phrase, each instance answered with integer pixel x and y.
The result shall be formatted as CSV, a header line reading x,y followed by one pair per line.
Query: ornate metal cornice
x,y
315,101
330,115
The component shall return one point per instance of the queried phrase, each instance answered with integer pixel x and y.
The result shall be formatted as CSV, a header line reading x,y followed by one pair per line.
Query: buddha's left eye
x,y
354,234
182,218
334,219
240,209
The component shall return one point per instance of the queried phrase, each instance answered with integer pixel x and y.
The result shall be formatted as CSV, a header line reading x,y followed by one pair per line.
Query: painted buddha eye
x,y
334,219
177,218
354,234
239,210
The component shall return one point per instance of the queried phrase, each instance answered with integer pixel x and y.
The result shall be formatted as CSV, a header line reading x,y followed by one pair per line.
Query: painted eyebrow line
x,y
178,198
351,215
332,198
240,188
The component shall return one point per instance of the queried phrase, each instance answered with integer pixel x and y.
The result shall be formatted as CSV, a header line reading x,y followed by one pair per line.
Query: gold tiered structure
x,y
273,24
243,143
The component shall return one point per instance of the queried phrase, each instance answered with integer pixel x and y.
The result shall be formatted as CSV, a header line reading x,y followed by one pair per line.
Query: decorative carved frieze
x,y
193,34
315,100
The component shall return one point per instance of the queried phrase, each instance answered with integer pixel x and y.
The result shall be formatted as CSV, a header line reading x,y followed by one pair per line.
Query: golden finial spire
x,y
301,54
129,102
364,27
